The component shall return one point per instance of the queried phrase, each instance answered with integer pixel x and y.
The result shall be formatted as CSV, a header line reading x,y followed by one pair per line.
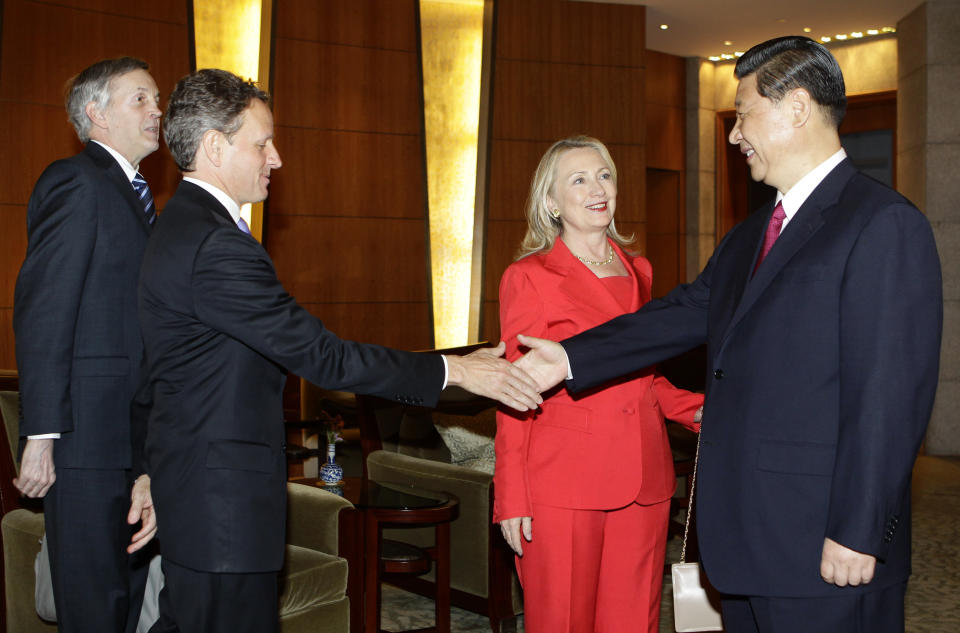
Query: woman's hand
x,y
511,529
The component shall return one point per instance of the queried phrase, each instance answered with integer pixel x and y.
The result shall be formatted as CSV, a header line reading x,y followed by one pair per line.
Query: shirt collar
x,y
798,194
232,208
128,169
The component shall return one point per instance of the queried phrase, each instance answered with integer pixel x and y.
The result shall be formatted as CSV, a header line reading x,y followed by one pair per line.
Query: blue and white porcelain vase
x,y
331,473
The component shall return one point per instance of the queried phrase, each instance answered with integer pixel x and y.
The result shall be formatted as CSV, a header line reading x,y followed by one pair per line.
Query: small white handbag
x,y
695,602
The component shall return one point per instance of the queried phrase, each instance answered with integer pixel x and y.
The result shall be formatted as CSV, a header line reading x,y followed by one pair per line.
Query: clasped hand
x,y
485,373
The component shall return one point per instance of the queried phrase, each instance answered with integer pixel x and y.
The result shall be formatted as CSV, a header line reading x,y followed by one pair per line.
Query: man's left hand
x,y
141,509
843,566
485,373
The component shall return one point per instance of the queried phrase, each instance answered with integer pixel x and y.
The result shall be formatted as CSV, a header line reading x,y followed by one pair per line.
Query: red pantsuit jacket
x,y
600,450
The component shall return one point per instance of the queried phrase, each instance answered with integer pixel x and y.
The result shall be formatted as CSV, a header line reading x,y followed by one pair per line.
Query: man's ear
x,y
95,114
212,145
801,106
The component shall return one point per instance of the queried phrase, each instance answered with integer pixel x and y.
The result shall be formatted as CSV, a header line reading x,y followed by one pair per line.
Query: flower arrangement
x,y
333,426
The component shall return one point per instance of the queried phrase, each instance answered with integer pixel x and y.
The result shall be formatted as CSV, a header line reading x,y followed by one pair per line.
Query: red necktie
x,y
773,232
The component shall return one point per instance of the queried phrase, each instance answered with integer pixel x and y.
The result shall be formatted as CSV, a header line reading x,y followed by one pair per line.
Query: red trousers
x,y
594,571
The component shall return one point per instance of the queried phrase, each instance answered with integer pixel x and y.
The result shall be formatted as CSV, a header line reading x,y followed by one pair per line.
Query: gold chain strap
x,y
693,487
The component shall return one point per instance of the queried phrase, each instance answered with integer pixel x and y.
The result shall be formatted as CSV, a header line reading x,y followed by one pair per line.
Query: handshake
x,y
517,385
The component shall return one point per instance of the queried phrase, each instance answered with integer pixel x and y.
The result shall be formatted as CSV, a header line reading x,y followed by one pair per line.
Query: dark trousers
x,y
879,611
202,602
97,586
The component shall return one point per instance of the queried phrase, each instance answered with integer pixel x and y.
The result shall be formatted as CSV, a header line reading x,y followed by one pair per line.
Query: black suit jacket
x,y
822,370
75,310
221,334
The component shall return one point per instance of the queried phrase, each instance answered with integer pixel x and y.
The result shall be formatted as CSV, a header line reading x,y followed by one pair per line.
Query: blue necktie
x,y
146,198
243,226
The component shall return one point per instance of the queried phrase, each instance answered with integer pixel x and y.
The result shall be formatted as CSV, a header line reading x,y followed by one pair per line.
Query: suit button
x,y
718,374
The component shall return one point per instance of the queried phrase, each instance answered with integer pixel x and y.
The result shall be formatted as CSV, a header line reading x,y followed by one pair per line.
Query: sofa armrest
x,y
471,486
22,531
313,517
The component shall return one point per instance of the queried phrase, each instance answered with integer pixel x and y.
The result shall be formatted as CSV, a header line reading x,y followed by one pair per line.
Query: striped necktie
x,y
146,198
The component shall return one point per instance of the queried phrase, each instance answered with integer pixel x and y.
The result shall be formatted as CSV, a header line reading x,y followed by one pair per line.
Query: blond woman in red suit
x,y
584,484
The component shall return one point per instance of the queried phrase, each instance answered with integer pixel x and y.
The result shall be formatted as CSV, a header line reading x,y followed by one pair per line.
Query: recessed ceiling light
x,y
856,34
888,29
664,27
825,38
714,58
873,32
807,29
727,43
841,36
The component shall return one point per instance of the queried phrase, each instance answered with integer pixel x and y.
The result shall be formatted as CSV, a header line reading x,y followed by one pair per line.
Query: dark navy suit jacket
x,y
221,334
822,370
75,310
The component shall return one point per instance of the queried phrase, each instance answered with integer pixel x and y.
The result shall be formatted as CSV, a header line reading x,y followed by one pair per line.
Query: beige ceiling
x,y
698,28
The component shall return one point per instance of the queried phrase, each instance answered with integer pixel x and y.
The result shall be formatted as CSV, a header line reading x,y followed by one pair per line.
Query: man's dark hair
x,y
786,63
93,84
207,99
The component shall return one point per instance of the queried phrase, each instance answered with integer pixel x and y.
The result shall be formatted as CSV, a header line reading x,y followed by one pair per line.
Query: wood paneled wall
x,y
43,45
346,219
665,99
555,75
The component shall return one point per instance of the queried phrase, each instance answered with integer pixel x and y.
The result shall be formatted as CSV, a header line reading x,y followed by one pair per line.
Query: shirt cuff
x,y
446,372
44,436
569,368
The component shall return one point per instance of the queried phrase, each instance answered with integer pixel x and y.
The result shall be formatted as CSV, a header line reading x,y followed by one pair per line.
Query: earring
x,y
556,214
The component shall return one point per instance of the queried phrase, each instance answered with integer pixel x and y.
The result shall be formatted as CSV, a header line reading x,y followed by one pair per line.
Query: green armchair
x,y
313,582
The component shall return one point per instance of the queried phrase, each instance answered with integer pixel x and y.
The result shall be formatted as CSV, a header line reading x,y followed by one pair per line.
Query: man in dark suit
x,y
221,334
79,346
822,317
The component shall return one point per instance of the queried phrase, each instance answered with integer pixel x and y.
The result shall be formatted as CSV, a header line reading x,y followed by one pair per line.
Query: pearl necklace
x,y
600,263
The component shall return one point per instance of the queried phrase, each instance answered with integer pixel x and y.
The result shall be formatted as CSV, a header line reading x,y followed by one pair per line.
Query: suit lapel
x,y
118,179
807,221
204,199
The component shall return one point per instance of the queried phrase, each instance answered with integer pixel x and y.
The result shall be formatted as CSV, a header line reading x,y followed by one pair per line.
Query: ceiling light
x,y
839,37
664,27
738,53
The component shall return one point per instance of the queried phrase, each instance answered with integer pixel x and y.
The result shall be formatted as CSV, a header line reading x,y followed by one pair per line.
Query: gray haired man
x,y
79,348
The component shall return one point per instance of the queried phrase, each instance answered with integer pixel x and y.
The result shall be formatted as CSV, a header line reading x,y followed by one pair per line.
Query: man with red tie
x,y
823,337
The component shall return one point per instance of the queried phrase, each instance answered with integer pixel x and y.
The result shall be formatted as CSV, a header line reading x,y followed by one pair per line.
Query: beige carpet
x,y
933,595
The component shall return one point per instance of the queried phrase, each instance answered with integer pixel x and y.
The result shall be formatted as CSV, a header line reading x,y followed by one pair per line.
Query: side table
x,y
383,504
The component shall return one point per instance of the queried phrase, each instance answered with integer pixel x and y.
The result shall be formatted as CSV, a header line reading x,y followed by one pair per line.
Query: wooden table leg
x,y
351,548
443,577
371,573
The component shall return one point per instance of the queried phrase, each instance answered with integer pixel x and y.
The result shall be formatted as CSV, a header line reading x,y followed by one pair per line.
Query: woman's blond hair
x,y
542,227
